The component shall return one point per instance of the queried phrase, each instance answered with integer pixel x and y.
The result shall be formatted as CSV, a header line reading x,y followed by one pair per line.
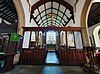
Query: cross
x,y
52,17
15,36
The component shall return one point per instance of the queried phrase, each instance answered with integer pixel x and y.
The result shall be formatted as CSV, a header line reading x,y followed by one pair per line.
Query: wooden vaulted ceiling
x,y
63,13
94,14
40,10
8,11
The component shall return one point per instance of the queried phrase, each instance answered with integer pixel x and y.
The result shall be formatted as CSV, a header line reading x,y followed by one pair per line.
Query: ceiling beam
x,y
53,28
41,2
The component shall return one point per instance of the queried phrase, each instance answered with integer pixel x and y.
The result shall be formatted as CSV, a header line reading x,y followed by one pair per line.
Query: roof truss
x,y
63,12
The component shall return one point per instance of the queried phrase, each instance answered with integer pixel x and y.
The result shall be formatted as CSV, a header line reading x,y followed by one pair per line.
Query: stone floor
x,y
51,67
46,69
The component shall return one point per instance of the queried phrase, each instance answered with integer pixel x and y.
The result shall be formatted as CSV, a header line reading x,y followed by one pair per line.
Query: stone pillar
x,y
85,37
21,16
84,16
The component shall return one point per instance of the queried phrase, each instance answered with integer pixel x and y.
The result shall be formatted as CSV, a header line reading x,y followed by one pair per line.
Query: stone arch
x,y
83,22
96,36
21,16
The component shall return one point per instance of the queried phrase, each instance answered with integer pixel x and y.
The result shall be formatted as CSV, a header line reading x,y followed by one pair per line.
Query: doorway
x,y
51,46
51,40
51,58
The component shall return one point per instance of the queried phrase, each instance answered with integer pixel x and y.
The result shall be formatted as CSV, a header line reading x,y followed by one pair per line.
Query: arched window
x,y
70,38
33,36
26,39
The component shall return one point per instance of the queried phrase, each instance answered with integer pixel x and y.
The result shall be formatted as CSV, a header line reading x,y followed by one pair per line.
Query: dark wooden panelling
x,y
33,56
71,57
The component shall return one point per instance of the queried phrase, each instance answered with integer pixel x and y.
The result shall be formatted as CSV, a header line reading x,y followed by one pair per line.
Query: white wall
x,y
79,7
77,12
27,13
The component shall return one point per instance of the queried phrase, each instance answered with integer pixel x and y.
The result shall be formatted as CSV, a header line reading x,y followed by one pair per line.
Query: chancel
x,y
49,36
51,40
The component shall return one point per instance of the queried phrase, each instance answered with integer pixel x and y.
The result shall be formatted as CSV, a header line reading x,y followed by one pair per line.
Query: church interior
x,y
49,36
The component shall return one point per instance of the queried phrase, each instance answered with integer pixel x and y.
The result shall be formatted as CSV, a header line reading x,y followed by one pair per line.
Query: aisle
x,y
45,69
52,58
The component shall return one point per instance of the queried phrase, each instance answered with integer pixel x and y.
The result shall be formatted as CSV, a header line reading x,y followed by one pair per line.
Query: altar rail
x,y
71,57
33,56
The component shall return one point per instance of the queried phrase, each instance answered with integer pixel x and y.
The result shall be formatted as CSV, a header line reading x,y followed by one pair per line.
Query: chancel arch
x,y
53,26
21,16
71,37
96,35
83,22
83,16
84,13
41,11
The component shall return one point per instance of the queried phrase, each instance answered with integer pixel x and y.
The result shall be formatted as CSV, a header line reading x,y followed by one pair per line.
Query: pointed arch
x,y
42,3
83,22
21,16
